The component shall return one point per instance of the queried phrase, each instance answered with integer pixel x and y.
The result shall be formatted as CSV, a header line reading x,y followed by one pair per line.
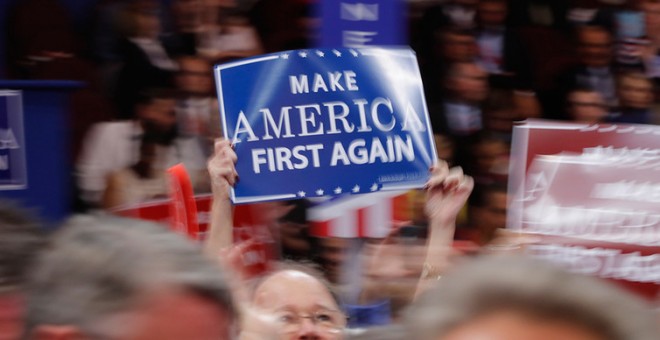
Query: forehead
x,y
293,289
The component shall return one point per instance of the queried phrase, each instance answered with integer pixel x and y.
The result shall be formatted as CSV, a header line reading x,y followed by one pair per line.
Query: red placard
x,y
590,194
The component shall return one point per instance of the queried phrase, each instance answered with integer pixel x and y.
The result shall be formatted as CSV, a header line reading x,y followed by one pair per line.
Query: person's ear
x,y
57,332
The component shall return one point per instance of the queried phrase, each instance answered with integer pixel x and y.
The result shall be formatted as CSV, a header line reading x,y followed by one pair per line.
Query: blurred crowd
x,y
149,102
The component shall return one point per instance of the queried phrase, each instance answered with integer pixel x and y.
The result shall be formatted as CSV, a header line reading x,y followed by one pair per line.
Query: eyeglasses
x,y
326,320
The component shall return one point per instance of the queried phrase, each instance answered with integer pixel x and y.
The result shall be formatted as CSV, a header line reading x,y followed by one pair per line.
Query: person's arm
x,y
447,192
112,196
96,162
223,176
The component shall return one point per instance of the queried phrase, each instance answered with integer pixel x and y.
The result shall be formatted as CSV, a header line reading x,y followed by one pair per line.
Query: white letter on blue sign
x,y
242,121
334,117
374,114
309,119
364,127
299,85
319,83
277,129
412,117
351,82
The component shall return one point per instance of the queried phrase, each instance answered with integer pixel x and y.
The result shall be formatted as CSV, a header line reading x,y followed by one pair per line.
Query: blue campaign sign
x,y
362,23
321,122
13,175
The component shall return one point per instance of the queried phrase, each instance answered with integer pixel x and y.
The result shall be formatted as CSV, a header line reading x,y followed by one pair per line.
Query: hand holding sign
x,y
222,169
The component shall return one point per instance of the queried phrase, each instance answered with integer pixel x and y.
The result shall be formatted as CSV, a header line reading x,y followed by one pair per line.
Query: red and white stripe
x,y
368,215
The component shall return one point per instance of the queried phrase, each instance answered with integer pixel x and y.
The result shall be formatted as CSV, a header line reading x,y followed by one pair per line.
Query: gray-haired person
x,y
517,298
113,278
20,240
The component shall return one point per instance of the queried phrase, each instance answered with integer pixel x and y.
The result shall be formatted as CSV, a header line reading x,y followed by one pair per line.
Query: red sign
x,y
591,193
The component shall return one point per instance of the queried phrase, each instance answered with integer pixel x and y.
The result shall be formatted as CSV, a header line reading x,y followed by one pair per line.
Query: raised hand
x,y
221,168
447,192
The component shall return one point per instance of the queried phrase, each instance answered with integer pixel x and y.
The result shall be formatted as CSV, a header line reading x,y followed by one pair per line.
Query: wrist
x,y
430,272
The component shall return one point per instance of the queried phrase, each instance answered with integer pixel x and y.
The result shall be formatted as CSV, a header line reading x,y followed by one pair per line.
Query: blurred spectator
x,y
489,158
138,183
595,52
460,111
111,278
145,62
515,298
225,35
20,241
197,110
448,46
113,146
487,214
302,304
460,14
456,45
651,56
635,99
586,106
499,50
500,113
526,105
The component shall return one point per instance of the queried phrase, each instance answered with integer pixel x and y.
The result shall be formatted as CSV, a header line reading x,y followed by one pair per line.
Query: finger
x,y
453,179
221,143
466,185
230,154
438,175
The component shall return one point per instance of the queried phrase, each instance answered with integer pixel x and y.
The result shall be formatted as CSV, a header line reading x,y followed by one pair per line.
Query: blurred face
x,y
492,13
302,306
587,107
148,24
652,17
160,112
494,215
195,76
488,153
458,47
635,93
159,119
470,83
595,47
506,325
161,316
